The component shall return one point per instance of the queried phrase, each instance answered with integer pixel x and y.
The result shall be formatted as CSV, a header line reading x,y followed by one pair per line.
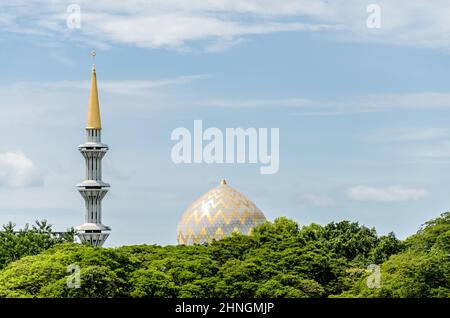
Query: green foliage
x,y
28,241
420,270
103,273
279,259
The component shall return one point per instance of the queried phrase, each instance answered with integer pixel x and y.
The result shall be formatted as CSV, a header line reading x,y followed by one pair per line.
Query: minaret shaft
x,y
93,189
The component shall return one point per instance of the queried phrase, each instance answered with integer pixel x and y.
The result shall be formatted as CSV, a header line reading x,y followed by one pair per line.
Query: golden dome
x,y
217,214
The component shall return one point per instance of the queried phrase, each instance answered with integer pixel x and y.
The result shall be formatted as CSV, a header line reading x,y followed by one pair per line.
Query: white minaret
x,y
93,189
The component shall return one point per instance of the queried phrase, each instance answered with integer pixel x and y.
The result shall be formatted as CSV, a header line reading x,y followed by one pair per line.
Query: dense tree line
x,y
280,259
28,241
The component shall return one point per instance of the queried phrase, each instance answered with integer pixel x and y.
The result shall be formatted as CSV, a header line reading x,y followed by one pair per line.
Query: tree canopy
x,y
29,240
279,259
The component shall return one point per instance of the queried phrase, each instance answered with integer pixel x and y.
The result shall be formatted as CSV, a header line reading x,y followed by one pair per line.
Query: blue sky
x,y
363,113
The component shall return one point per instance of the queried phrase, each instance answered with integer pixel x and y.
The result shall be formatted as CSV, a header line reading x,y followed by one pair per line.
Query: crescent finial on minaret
x,y
93,54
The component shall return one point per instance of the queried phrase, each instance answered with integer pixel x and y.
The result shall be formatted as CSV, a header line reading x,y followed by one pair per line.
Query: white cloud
x,y
354,104
170,23
217,24
438,150
56,103
385,194
18,171
127,87
175,30
424,142
413,100
351,105
38,100
61,58
258,103
409,134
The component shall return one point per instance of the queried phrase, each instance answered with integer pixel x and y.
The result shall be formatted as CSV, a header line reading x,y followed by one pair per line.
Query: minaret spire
x,y
93,189
93,116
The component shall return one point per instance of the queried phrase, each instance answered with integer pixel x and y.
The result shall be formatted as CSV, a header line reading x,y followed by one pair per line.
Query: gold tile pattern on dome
x,y
217,214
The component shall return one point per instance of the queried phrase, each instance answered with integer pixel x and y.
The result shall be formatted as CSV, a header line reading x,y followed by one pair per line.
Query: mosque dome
x,y
216,214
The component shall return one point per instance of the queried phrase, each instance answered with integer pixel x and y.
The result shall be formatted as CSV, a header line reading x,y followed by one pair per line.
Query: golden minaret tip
x,y
93,116
223,182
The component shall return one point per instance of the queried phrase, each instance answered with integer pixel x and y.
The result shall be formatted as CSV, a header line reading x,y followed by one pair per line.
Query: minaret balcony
x,y
93,146
92,227
92,184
